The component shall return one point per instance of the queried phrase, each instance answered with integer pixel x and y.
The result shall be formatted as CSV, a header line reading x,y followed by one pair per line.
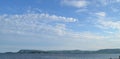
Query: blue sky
x,y
59,24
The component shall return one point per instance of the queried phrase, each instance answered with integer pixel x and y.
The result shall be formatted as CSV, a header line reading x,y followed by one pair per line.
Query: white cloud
x,y
110,27
33,23
101,14
60,29
109,24
75,3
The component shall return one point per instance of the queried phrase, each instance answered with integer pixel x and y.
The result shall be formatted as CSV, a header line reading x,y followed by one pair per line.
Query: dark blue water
x,y
59,56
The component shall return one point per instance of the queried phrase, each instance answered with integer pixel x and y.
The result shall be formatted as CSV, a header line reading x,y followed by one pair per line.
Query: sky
x,y
59,24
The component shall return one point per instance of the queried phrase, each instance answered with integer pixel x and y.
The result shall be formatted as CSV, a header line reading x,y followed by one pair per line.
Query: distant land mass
x,y
102,51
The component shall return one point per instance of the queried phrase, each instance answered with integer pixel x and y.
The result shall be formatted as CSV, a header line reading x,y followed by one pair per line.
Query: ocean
x,y
59,56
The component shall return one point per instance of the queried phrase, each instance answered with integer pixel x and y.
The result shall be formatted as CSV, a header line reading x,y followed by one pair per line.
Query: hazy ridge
x,y
102,51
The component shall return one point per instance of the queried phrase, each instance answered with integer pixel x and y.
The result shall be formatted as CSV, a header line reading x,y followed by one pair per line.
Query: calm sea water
x,y
59,56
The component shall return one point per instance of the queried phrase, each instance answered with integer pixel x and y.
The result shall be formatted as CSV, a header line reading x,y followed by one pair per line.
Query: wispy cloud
x,y
106,22
109,24
75,3
33,23
101,14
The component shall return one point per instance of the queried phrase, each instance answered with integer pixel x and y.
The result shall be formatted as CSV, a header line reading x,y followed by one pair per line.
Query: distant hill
x,y
31,51
102,51
108,51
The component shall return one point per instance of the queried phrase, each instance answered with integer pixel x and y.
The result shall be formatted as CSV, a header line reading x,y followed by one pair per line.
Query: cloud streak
x,y
75,3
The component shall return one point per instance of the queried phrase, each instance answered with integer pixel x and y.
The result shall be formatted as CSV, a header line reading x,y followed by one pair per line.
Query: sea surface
x,y
59,56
